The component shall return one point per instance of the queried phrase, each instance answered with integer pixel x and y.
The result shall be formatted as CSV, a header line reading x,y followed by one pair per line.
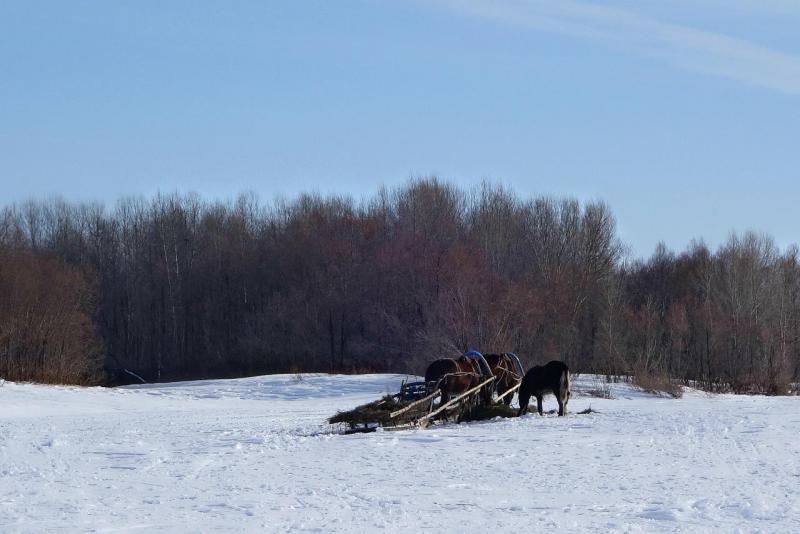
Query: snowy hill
x,y
255,455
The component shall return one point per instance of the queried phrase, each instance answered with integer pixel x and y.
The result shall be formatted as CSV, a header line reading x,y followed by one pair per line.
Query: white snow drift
x,y
255,455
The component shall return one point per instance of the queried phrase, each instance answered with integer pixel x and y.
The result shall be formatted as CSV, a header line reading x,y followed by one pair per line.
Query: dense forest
x,y
178,287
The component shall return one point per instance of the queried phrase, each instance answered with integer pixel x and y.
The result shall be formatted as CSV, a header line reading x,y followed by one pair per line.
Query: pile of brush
x,y
367,417
490,411
377,413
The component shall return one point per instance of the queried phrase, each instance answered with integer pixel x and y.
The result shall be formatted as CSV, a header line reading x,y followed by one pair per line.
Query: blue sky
x,y
683,116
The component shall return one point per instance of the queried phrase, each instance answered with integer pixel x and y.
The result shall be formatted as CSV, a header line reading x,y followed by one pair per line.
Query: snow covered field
x,y
255,455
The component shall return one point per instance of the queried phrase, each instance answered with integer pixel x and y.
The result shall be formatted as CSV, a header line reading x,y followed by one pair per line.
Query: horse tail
x,y
564,385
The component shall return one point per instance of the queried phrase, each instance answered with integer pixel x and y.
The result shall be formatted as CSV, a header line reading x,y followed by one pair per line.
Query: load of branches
x,y
377,412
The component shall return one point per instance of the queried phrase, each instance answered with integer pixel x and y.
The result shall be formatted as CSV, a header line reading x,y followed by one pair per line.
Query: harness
x,y
456,374
504,368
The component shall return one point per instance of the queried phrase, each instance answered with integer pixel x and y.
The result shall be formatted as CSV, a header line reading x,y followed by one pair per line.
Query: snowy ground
x,y
255,455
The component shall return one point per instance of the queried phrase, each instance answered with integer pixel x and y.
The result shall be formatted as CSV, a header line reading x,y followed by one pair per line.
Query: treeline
x,y
46,328
177,287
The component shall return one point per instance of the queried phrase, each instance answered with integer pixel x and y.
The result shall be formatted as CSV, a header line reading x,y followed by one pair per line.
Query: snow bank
x,y
255,455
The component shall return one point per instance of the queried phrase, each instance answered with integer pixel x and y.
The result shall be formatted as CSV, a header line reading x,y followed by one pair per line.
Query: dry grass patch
x,y
658,383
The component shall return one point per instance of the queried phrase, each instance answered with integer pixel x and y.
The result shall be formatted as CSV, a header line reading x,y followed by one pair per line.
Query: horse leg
x,y
444,397
485,396
561,405
539,404
524,399
508,398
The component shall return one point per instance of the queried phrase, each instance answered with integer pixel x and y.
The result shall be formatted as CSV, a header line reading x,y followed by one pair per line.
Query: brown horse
x,y
542,379
483,369
507,371
452,377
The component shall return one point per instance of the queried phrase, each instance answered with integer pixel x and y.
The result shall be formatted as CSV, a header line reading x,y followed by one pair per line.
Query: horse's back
x,y
556,368
557,364
507,361
439,368
493,360
552,375
468,365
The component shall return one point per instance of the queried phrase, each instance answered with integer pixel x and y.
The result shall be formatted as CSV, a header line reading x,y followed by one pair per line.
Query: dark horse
x,y
453,377
542,379
507,371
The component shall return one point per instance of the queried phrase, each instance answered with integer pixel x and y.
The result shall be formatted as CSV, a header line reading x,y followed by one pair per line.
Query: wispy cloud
x,y
683,46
